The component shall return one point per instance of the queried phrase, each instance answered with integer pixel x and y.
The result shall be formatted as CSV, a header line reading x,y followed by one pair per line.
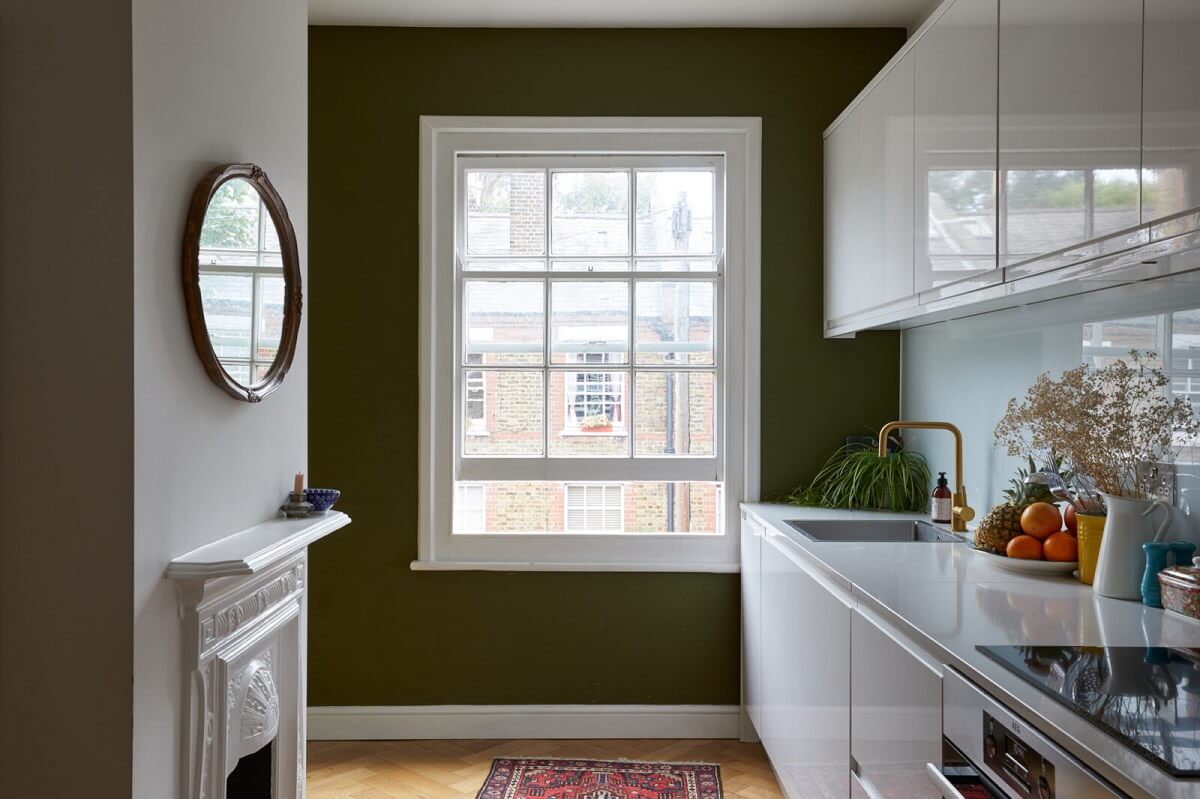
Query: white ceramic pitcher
x,y
1130,524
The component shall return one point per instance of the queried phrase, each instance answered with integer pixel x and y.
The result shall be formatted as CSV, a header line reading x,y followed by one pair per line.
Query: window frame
x,y
738,143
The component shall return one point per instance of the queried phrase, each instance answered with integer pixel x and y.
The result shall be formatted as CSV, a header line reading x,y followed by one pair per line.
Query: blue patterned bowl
x,y
321,498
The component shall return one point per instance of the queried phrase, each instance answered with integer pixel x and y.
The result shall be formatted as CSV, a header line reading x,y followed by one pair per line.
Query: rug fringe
x,y
610,760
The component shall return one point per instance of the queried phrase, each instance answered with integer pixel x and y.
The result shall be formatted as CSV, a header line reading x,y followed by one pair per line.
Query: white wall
x,y
214,81
66,398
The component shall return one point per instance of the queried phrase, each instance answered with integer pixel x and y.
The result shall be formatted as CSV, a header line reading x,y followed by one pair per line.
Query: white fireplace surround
x,y
242,605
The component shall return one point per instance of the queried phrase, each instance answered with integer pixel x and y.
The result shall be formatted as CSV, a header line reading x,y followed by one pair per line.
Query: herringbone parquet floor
x,y
457,769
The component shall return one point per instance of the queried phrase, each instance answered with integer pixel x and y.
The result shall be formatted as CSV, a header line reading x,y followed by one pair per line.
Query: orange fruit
x,y
1061,546
1025,547
1041,519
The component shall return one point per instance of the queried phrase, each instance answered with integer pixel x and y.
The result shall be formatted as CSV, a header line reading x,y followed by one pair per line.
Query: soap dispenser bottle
x,y
941,500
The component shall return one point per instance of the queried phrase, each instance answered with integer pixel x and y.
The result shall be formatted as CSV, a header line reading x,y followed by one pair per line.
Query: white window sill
x,y
501,566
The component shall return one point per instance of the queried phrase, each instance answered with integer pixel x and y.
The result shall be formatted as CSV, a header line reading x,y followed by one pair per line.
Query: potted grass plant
x,y
856,478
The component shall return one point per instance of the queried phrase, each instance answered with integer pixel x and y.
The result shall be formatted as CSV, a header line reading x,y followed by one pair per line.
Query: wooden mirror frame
x,y
292,300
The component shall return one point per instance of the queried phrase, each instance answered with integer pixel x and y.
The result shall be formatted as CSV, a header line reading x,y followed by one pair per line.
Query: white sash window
x,y
586,342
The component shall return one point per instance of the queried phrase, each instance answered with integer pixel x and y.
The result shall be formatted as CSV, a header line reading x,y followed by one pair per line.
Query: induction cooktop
x,y
1148,698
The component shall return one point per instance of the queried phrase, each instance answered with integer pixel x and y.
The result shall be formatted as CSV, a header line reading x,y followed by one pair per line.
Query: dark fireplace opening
x,y
251,778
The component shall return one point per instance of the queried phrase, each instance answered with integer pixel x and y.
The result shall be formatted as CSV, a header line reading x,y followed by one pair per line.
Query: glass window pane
x,y
1114,200
505,321
590,266
594,508
270,317
510,507
506,507
231,221
1045,211
674,322
674,212
961,223
512,404
590,213
678,265
589,320
505,266
588,413
260,372
675,413
270,241
239,371
1112,339
506,212
228,313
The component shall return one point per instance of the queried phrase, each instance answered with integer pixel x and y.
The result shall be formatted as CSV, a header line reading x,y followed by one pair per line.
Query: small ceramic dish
x,y
1042,568
322,499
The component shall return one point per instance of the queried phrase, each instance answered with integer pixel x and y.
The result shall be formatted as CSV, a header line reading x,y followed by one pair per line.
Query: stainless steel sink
x,y
870,530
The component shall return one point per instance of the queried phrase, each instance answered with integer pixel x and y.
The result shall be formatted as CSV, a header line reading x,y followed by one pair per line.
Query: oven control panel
x,y
1021,767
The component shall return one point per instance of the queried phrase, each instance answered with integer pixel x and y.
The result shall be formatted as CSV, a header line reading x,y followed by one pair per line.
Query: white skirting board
x,y
365,723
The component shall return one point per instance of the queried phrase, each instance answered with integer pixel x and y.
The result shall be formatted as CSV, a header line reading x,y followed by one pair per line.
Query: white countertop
x,y
950,600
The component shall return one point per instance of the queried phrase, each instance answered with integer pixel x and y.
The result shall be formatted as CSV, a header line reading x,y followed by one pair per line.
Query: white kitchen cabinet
x,y
751,581
843,256
1171,104
805,674
895,712
1069,124
884,191
955,144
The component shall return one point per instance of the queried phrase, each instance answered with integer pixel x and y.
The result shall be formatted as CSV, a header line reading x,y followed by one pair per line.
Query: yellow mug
x,y
1089,530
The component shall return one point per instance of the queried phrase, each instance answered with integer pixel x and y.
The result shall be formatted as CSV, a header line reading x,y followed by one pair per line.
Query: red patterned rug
x,y
553,778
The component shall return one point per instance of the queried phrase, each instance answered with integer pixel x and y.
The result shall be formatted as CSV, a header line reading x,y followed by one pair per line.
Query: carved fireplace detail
x,y
242,603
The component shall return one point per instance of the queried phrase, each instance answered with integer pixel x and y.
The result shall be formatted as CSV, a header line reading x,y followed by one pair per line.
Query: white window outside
x,y
597,508
470,502
587,345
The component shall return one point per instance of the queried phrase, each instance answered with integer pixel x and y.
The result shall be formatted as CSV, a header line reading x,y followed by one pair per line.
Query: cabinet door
x,y
885,188
806,676
842,251
1070,123
955,145
1171,120
751,579
895,713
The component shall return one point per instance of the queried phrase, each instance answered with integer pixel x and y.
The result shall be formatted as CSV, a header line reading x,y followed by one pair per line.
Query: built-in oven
x,y
988,753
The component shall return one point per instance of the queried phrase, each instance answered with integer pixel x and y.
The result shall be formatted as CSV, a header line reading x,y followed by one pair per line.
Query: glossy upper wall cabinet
x,y
885,179
955,143
1171,98
1069,123
843,260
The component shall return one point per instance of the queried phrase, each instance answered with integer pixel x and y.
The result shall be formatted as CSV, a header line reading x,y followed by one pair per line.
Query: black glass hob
x,y
1148,698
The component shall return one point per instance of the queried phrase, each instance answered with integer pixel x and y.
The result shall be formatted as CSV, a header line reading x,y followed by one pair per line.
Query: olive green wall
x,y
383,635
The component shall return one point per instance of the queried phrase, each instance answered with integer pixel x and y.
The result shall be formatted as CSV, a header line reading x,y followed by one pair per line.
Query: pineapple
x,y
1002,523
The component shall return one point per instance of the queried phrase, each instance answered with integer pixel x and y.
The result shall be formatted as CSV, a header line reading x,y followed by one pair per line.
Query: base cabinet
x,y
843,705
895,713
805,695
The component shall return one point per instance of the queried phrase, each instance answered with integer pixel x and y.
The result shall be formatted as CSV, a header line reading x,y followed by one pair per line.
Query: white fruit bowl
x,y
1025,566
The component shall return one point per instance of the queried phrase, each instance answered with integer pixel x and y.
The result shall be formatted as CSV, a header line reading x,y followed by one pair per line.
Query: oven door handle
x,y
943,785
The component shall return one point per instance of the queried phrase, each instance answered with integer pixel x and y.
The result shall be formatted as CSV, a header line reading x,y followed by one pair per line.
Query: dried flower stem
x,y
1104,422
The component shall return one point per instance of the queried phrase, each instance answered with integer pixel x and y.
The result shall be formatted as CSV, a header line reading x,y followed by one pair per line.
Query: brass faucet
x,y
961,513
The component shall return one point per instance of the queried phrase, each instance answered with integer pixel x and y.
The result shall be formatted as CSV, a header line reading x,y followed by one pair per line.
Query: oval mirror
x,y
241,281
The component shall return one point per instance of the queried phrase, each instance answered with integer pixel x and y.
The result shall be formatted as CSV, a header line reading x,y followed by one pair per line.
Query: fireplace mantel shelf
x,y
256,548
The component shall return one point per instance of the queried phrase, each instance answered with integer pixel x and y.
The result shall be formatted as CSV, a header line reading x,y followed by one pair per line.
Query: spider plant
x,y
857,478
